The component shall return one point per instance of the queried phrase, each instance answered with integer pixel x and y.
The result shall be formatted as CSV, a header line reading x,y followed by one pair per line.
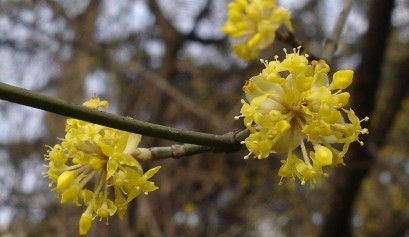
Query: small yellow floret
x,y
69,195
282,126
65,180
323,155
342,79
85,222
95,163
96,103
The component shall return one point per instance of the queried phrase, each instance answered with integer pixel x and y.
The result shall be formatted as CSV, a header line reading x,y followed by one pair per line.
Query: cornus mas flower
x,y
292,104
254,23
94,166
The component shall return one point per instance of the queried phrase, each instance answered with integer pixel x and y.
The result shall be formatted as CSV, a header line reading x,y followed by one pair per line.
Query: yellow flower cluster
x,y
291,102
94,166
254,23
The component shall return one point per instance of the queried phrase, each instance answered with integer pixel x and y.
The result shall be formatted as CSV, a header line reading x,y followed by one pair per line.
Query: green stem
x,y
174,151
177,151
228,141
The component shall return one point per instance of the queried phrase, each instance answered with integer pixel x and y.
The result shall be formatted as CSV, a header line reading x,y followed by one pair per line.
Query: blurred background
x,y
167,62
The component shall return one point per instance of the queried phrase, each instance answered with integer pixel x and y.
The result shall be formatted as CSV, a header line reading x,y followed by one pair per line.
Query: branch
x,y
166,27
227,142
400,86
192,36
332,42
59,10
174,151
177,151
202,14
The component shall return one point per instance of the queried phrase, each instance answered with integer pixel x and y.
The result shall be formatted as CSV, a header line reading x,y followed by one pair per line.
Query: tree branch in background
x,y
399,88
332,42
58,10
192,35
164,24
227,142
202,14
349,178
175,94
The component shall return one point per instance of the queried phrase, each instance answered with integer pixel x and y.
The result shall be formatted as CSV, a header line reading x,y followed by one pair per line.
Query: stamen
x,y
298,49
265,62
280,183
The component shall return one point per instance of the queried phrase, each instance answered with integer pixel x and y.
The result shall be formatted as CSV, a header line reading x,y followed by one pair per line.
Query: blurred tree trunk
x,y
396,225
368,75
400,86
173,42
81,62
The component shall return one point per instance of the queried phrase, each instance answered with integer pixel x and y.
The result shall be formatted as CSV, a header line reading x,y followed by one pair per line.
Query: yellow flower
x,y
94,166
85,222
254,23
293,102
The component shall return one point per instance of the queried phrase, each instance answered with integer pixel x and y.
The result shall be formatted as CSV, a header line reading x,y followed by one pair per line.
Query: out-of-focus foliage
x,y
167,62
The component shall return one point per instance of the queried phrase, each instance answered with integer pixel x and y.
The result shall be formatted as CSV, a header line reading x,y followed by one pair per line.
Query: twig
x,y
226,142
174,151
177,151
58,10
332,42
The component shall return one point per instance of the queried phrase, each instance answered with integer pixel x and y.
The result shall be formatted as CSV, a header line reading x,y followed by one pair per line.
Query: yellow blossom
x,y
292,103
254,23
94,166
85,222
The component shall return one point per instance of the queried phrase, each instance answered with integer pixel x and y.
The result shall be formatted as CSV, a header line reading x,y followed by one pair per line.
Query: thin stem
x,y
174,151
304,153
228,141
332,42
